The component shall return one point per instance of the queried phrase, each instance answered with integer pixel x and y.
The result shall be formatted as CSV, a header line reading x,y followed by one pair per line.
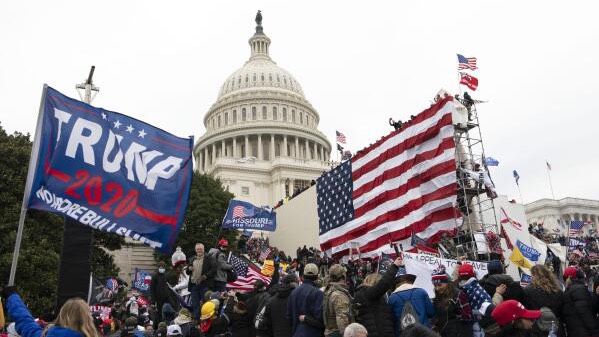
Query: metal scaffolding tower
x,y
475,200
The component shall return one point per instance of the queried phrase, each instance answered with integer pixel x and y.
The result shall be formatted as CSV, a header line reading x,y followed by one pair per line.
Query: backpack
x,y
260,320
409,316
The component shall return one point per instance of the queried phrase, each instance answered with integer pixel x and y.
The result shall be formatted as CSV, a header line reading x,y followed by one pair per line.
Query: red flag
x,y
469,81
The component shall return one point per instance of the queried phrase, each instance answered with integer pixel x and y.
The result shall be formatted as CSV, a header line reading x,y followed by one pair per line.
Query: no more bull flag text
x,y
244,215
109,171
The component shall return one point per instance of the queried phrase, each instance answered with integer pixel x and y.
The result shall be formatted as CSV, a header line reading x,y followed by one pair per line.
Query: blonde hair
x,y
371,279
75,315
544,279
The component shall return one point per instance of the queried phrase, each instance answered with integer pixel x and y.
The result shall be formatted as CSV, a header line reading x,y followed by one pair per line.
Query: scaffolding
x,y
475,199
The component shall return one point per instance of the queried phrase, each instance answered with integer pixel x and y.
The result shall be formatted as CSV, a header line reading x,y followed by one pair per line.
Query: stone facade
x,y
261,138
555,215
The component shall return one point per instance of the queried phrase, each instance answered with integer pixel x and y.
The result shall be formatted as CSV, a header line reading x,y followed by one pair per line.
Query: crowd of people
x,y
315,296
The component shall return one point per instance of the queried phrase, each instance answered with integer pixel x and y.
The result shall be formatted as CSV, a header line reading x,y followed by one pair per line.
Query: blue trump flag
x,y
109,171
243,215
528,251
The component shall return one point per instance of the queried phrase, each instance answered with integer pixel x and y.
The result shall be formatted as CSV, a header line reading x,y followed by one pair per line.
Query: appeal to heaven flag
x,y
403,184
109,171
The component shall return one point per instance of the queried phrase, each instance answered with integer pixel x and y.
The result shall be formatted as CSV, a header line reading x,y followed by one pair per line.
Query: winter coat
x,y
159,288
239,321
419,300
306,299
220,261
278,325
453,319
208,270
536,298
577,312
26,325
514,289
372,310
337,308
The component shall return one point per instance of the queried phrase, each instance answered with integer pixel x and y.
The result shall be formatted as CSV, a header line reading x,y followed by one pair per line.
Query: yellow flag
x,y
268,268
2,322
519,259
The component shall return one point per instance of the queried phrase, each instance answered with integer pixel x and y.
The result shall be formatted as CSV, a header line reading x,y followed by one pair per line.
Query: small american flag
x,y
242,212
340,137
466,62
265,253
247,274
576,227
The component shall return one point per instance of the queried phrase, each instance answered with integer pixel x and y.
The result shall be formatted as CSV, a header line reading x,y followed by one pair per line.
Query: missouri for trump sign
x,y
109,171
244,215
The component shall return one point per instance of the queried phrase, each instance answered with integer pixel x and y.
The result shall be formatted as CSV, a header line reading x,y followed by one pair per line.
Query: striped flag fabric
x,y
469,81
265,253
466,62
405,183
576,227
340,137
506,219
247,274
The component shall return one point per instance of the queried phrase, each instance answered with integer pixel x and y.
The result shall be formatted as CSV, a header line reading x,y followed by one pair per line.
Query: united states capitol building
x,y
262,139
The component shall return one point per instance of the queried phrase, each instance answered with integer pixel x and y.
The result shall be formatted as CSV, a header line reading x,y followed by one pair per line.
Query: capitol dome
x,y
262,138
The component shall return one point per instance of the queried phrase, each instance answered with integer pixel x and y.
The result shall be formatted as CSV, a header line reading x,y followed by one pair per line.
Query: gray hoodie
x,y
220,261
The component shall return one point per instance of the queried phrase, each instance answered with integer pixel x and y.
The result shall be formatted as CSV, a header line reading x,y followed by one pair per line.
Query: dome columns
x,y
262,146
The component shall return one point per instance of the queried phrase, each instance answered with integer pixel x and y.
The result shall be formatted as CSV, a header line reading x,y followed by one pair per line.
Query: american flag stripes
x,y
576,227
466,62
340,137
247,274
265,253
241,212
405,183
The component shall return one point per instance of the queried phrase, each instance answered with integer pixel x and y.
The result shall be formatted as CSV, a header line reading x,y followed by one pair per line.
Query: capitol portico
x,y
261,138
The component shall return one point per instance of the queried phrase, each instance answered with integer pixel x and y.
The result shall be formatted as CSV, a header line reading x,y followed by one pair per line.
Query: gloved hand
x,y
8,290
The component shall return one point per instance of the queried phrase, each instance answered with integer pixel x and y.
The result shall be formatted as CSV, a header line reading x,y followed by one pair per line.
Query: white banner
x,y
422,265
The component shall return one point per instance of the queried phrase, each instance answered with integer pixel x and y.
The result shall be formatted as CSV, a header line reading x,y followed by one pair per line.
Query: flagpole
x,y
33,161
520,192
550,182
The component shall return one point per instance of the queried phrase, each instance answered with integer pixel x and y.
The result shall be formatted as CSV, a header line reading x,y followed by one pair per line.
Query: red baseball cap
x,y
223,243
466,270
510,310
570,272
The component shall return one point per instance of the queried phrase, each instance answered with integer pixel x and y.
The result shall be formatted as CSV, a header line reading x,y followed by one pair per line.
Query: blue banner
x,y
109,171
530,253
243,215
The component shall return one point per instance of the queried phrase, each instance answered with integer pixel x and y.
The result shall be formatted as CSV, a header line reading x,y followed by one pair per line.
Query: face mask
x,y
161,270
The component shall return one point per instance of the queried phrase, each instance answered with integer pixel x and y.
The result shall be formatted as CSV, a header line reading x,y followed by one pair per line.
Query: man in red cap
x,y
579,312
218,257
514,319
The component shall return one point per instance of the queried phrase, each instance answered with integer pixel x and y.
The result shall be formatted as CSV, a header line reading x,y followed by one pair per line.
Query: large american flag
x,y
403,184
466,62
247,274
576,227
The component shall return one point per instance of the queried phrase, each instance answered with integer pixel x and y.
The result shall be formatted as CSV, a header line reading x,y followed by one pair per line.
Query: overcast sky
x,y
358,63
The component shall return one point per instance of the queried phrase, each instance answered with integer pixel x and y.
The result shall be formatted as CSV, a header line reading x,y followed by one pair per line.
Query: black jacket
x,y
159,289
208,270
447,319
514,290
536,298
371,305
278,325
240,323
578,313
